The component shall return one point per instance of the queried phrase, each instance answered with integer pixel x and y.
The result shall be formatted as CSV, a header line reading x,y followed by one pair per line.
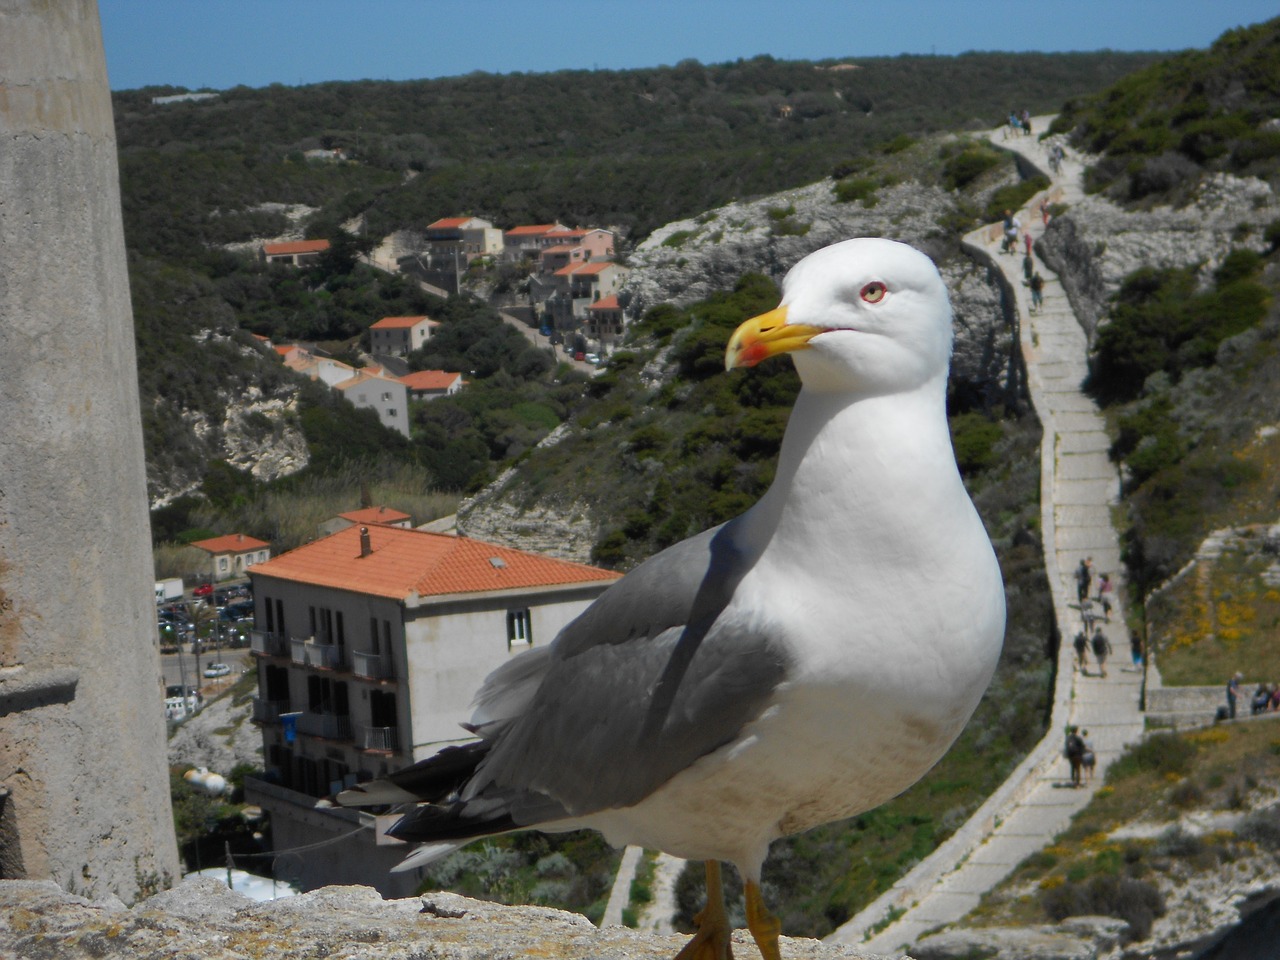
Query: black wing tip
x,y
429,823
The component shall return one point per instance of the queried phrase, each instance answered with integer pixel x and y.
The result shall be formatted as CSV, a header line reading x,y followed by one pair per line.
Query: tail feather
x,y
431,780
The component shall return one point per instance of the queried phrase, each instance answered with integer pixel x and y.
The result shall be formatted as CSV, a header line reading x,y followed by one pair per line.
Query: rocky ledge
x,y
202,918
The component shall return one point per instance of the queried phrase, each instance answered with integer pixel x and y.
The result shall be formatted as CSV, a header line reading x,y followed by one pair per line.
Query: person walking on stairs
x,y
1101,650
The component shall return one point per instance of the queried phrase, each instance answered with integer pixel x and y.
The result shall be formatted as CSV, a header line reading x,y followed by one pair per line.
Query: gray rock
x,y
1096,243
1006,943
39,922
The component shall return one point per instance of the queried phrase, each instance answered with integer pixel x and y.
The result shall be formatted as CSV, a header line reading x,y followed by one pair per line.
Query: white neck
x,y
876,469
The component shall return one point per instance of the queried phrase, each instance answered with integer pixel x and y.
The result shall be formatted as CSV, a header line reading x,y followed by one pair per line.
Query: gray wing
x,y
643,683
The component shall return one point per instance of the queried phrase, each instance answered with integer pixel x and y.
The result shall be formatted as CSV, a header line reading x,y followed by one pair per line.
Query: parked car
x,y
204,590
579,355
593,358
214,670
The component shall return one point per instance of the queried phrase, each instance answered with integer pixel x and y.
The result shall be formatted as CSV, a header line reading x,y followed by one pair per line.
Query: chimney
x,y
366,547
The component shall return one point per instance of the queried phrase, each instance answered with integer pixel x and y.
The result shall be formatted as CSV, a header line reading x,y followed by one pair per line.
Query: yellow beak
x,y
767,336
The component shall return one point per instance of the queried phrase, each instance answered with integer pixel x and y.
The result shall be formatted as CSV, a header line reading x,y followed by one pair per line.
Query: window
x,y
519,628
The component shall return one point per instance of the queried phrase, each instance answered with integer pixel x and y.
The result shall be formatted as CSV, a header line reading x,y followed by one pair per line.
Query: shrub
x,y
1137,902
1013,196
852,189
967,165
1160,754
974,437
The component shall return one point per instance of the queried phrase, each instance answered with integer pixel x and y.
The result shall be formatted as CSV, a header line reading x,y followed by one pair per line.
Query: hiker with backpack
x,y
1074,751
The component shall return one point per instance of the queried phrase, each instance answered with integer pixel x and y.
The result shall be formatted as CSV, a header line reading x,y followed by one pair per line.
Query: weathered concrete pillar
x,y
84,796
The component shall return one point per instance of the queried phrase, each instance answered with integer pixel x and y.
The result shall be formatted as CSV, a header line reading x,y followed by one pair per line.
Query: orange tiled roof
x,y
449,223
402,323
606,303
430,380
295,246
375,515
532,229
406,562
596,266
231,543
585,269
284,349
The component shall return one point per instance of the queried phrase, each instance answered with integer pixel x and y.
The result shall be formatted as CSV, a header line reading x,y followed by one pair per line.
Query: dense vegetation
x,y
630,149
1202,110
633,149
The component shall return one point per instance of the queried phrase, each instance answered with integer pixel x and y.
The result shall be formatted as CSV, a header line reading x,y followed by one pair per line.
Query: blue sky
x,y
223,43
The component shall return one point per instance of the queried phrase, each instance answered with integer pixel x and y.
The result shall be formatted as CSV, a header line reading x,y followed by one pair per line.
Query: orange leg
x,y
711,942
764,926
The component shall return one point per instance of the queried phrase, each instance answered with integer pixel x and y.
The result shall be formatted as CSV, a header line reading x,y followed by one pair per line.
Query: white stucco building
x,y
370,644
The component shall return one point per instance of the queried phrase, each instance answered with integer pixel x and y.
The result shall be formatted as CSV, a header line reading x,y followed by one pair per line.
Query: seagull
x,y
799,664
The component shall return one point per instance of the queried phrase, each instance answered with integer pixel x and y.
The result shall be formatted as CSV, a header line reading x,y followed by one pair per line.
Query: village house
x,y
384,394
605,321
432,384
580,285
369,644
328,371
233,554
385,516
400,336
294,253
528,240
367,387
574,246
463,237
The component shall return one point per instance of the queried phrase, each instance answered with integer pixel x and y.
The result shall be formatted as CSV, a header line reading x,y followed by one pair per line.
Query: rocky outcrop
x,y
551,527
219,737
1079,938
200,917
1096,243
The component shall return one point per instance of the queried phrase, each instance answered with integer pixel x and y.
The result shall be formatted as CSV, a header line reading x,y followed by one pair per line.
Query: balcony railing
x,y
329,726
372,666
268,644
268,711
380,739
309,653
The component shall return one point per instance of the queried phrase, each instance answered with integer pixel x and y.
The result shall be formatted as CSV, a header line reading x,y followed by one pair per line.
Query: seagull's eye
x,y
874,291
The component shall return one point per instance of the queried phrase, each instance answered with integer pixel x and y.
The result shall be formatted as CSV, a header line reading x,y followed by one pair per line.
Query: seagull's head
x,y
865,315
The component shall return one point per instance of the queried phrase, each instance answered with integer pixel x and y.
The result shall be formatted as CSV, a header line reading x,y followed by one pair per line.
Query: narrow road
x,y
1079,485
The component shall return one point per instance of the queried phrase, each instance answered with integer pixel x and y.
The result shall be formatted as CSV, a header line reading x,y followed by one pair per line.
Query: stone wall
x,y
202,918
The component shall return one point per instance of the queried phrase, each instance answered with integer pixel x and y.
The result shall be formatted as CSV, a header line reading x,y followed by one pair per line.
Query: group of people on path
x,y
1091,636
1266,699
1018,123
1013,229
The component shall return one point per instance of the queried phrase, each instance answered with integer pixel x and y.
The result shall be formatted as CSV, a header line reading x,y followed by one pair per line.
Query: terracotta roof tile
x,y
402,323
606,303
231,543
295,246
449,223
532,229
430,379
375,515
405,562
